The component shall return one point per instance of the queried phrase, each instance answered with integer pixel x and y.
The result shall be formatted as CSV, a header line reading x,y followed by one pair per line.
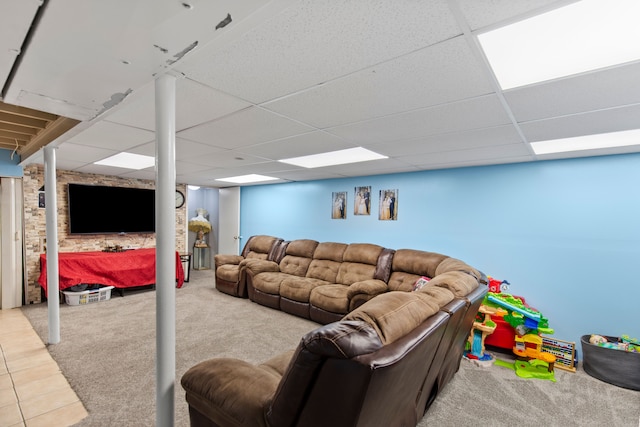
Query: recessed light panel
x,y
588,142
246,179
332,158
128,161
583,36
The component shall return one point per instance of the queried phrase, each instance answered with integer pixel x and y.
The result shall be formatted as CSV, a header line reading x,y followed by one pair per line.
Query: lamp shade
x,y
199,223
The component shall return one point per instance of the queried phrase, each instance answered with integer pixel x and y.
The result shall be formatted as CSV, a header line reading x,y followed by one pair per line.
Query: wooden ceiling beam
x,y
23,121
26,112
55,129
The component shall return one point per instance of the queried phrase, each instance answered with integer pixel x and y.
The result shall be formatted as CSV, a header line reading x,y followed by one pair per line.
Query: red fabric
x,y
119,269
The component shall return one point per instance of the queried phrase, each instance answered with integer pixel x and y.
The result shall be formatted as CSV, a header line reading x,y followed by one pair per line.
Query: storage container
x,y
617,367
87,297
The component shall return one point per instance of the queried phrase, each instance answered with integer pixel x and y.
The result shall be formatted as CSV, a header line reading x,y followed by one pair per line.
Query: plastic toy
x,y
625,343
522,318
481,328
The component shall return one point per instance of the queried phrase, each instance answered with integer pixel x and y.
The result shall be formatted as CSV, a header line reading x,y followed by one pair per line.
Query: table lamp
x,y
199,224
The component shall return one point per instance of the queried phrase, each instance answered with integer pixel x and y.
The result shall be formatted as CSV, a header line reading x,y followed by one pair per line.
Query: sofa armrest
x,y
256,266
221,259
230,392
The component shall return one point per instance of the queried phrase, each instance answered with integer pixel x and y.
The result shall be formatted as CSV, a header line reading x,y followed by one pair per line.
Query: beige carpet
x,y
107,352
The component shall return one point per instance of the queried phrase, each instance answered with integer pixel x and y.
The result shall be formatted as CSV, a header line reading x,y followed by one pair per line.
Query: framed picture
x,y
339,205
388,209
362,201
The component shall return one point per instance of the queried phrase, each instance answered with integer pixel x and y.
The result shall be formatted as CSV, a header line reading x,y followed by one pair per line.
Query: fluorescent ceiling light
x,y
128,161
193,187
332,158
245,179
582,36
588,142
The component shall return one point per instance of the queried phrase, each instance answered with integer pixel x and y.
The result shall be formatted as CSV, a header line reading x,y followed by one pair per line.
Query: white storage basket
x,y
87,297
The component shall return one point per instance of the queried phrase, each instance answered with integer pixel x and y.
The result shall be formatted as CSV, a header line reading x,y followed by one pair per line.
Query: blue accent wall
x,y
9,167
564,233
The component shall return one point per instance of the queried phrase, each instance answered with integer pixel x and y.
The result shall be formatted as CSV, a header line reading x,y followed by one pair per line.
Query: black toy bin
x,y
617,367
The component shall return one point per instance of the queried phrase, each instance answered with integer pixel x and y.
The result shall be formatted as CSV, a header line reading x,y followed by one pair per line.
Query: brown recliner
x,y
368,369
231,269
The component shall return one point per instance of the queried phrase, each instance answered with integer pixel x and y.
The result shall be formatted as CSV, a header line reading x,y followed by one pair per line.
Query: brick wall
x,y
35,227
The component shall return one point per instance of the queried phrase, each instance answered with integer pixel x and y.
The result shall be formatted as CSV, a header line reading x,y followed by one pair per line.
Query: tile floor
x,y
33,391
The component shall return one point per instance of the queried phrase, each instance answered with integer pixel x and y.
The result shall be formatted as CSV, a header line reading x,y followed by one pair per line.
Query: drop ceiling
x,y
286,78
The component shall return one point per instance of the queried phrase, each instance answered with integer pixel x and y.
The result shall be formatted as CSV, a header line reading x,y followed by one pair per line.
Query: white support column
x,y
51,214
165,87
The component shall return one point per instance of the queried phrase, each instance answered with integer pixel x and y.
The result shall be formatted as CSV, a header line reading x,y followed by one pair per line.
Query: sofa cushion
x,y
364,253
339,340
230,391
299,288
269,282
302,248
461,284
394,314
326,261
417,262
331,298
351,272
330,251
295,265
402,281
453,264
228,272
259,246
439,295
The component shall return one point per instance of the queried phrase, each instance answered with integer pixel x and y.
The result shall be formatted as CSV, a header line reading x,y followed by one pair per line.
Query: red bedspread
x,y
119,269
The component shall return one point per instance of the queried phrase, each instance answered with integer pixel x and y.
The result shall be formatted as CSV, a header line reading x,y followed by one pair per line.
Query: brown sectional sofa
x,y
381,365
384,354
323,281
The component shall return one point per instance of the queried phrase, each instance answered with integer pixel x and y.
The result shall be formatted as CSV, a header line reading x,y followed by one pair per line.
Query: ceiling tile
x,y
611,120
332,38
112,136
81,153
247,127
474,113
195,104
477,138
478,155
439,74
479,14
585,92
300,145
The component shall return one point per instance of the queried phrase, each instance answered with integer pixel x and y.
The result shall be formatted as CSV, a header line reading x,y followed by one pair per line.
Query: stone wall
x,y
35,227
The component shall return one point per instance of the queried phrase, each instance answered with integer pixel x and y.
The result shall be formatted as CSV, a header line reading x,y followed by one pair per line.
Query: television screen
x,y
96,209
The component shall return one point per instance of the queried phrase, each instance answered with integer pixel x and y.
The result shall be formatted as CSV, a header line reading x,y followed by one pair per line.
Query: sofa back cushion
x,y
326,261
358,263
341,340
346,374
409,265
394,314
453,264
260,246
458,282
298,257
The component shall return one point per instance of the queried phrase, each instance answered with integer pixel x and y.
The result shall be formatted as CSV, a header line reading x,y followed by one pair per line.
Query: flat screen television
x,y
97,209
